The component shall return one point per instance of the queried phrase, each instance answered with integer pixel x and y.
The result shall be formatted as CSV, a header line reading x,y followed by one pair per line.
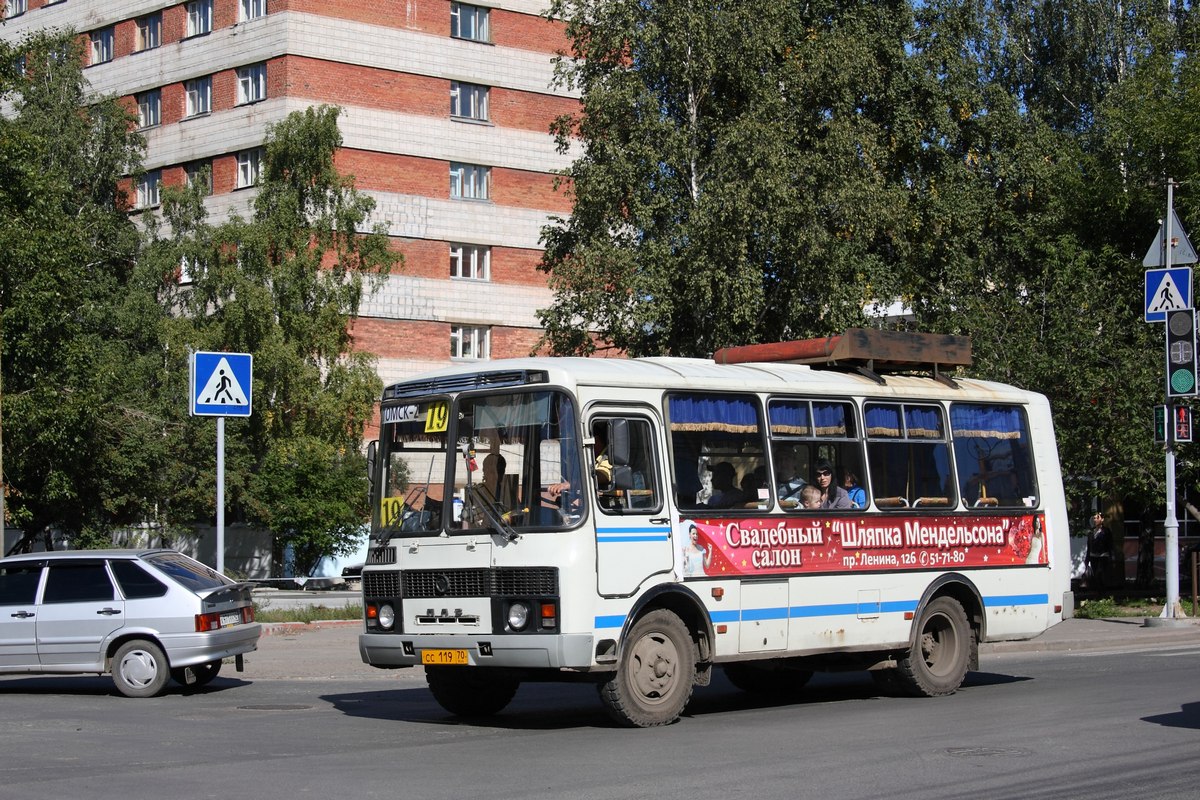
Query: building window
x,y
470,261
469,22
149,106
102,46
149,32
469,181
251,9
199,17
252,84
199,174
468,100
468,341
17,7
249,167
197,96
147,189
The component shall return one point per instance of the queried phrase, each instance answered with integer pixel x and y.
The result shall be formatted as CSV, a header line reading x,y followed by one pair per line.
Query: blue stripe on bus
x,y
1017,600
616,535
833,610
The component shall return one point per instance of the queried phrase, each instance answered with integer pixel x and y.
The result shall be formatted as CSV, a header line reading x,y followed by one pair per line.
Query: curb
x,y
285,628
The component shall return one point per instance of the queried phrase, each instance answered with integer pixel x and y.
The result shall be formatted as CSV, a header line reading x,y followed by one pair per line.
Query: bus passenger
x,y
832,495
810,496
725,492
856,493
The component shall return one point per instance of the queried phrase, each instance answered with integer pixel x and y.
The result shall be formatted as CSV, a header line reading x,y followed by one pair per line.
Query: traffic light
x,y
1181,353
1160,424
1183,423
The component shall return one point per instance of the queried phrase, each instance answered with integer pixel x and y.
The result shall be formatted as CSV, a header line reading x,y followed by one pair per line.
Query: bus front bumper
x,y
561,651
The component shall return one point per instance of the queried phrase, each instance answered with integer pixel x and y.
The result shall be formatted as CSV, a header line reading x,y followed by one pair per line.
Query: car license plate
x,y
444,657
231,618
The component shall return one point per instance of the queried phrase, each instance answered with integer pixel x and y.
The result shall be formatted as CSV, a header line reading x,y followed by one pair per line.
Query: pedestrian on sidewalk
x,y
1099,553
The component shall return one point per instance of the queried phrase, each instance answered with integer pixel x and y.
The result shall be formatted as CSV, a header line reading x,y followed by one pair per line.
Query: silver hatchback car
x,y
142,615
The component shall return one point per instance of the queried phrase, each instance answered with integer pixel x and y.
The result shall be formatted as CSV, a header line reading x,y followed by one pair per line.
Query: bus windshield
x,y
501,462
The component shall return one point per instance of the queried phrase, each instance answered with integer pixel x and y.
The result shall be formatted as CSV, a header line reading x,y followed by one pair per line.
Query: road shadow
x,y
559,706
1188,716
102,685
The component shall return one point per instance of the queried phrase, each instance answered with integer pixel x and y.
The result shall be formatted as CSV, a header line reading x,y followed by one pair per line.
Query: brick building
x,y
445,112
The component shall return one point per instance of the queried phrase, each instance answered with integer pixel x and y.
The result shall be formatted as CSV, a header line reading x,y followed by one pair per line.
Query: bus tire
x,y
470,692
938,660
766,682
655,674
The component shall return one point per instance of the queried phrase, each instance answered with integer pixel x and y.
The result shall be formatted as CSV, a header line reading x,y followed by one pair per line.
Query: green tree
x,y
738,179
283,285
79,446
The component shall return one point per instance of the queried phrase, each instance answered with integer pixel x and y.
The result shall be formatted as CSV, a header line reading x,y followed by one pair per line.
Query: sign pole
x,y
1171,522
221,495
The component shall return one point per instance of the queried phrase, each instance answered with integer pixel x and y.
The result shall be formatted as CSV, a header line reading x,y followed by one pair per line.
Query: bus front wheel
x,y
655,674
938,660
469,691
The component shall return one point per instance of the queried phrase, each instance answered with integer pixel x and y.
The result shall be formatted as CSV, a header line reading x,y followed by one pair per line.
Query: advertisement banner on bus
x,y
766,546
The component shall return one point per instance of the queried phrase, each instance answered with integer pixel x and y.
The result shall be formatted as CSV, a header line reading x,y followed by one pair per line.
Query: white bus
x,y
636,522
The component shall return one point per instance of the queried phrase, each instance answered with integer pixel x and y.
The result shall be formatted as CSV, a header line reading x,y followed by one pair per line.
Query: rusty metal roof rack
x,y
868,351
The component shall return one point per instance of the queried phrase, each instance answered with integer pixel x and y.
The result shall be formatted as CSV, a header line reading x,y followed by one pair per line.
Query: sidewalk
x,y
324,650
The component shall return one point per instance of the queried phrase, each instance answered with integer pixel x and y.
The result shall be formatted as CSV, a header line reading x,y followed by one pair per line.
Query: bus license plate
x,y
444,657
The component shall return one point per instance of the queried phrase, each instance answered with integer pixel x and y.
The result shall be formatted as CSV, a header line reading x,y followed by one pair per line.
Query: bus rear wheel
x,y
655,673
470,692
938,660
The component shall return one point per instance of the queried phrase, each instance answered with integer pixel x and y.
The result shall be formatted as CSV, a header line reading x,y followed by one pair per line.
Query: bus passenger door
x,y
633,528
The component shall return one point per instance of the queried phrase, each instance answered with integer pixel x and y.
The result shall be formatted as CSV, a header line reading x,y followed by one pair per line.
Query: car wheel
x,y
140,668
196,675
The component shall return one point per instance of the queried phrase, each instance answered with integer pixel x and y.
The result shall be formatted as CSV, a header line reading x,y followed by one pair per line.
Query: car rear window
x,y
188,571
135,582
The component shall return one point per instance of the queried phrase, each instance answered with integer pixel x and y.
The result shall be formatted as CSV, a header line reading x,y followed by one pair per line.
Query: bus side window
x,y
909,456
993,454
634,484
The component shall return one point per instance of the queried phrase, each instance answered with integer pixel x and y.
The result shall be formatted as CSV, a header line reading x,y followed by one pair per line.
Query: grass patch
x,y
310,613
1104,607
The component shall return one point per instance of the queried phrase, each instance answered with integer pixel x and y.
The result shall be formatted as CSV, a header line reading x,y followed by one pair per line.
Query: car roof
x,y
82,555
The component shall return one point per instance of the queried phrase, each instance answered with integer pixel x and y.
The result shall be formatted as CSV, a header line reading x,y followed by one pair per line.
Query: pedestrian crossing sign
x,y
1167,290
221,384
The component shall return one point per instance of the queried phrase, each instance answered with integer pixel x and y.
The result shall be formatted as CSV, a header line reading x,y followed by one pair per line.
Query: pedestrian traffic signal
x,y
1181,353
1183,423
1160,424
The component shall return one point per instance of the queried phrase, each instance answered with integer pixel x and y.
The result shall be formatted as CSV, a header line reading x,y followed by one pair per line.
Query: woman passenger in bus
x,y
832,495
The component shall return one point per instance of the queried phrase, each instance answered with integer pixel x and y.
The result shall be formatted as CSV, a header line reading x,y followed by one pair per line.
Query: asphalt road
x,y
1118,722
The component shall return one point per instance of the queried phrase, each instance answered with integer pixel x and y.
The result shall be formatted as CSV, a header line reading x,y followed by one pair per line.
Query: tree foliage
x,y
756,171
77,334
98,327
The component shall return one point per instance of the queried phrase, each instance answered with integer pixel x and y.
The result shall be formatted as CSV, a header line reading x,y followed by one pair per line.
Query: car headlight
x,y
518,616
387,616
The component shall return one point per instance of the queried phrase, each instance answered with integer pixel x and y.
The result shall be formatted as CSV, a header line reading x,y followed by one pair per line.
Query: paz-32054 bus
x,y
831,504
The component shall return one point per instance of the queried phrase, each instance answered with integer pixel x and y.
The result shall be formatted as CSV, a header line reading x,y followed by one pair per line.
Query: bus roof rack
x,y
869,351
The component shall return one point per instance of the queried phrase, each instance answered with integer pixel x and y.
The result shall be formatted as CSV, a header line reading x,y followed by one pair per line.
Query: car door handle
x,y
22,614
108,612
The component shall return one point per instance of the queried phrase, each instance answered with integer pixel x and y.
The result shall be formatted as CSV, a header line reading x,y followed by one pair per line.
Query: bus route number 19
x,y
437,416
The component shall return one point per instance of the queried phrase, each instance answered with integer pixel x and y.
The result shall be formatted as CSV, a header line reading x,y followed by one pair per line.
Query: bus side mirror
x,y
372,453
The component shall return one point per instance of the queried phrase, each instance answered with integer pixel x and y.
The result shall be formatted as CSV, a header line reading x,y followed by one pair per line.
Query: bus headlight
x,y
518,616
387,616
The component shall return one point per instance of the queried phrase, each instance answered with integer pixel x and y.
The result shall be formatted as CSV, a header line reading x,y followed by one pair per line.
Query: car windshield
x,y
508,451
188,571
